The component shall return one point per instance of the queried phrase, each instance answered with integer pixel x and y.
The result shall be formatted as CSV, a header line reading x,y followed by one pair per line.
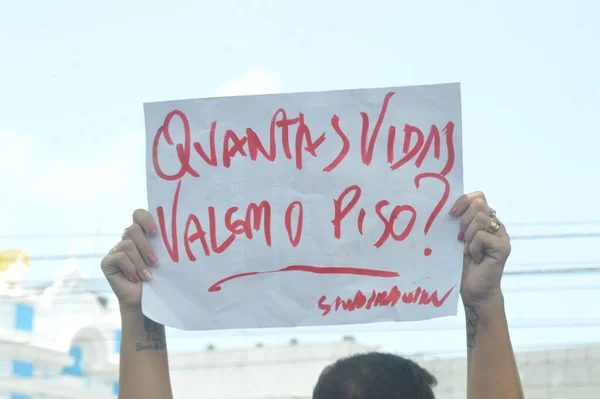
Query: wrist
x,y
130,312
486,310
147,334
491,298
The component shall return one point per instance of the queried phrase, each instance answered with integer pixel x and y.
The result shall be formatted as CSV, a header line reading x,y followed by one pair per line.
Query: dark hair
x,y
375,376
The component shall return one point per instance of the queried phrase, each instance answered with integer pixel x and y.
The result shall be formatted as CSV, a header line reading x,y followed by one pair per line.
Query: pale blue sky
x,y
74,75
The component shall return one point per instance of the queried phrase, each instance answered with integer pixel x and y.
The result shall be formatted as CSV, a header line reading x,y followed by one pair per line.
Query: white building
x,y
61,342
58,342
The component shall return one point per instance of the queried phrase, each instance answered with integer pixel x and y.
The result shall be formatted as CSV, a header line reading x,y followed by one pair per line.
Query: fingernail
x,y
145,274
152,258
453,211
135,278
461,236
152,228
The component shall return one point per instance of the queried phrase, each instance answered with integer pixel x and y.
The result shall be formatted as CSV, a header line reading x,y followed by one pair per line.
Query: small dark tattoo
x,y
155,336
472,317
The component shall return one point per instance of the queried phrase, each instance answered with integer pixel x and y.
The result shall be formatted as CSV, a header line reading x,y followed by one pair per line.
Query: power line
x,y
556,263
545,272
514,237
554,236
173,334
47,236
42,258
99,287
555,223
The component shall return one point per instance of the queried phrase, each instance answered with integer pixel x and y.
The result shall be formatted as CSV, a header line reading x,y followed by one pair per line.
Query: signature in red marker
x,y
310,269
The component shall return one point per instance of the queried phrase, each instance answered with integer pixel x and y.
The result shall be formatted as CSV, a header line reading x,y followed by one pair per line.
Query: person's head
x,y
375,376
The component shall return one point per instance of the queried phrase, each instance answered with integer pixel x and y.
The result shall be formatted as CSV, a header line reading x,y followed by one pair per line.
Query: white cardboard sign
x,y
305,209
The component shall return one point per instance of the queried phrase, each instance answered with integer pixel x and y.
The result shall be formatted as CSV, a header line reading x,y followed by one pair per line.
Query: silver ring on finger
x,y
493,213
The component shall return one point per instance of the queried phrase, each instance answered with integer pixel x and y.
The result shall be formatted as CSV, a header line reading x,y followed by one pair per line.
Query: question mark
x,y
440,204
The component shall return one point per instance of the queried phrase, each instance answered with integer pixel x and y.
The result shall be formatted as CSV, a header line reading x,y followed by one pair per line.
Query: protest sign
x,y
305,209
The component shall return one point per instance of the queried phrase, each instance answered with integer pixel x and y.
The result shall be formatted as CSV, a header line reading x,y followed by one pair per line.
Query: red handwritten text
x,y
419,296
343,207
289,137
255,217
295,143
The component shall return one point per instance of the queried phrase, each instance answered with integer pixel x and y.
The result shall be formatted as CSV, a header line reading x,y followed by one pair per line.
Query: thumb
x,y
487,244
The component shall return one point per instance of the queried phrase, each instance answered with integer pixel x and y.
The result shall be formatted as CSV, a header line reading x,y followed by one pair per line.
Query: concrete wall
x,y
290,372
256,373
556,373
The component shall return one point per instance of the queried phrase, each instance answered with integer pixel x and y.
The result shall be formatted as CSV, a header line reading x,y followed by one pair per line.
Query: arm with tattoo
x,y
472,318
155,337
491,366
144,370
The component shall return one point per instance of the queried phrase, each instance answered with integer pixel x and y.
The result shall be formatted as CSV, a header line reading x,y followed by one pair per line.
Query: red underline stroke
x,y
311,269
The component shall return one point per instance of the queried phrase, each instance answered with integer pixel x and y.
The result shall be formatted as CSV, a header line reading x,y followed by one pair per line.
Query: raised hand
x,y
486,247
130,261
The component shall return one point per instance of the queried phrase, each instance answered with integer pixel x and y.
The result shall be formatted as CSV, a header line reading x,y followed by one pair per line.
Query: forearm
x,y
492,368
144,369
